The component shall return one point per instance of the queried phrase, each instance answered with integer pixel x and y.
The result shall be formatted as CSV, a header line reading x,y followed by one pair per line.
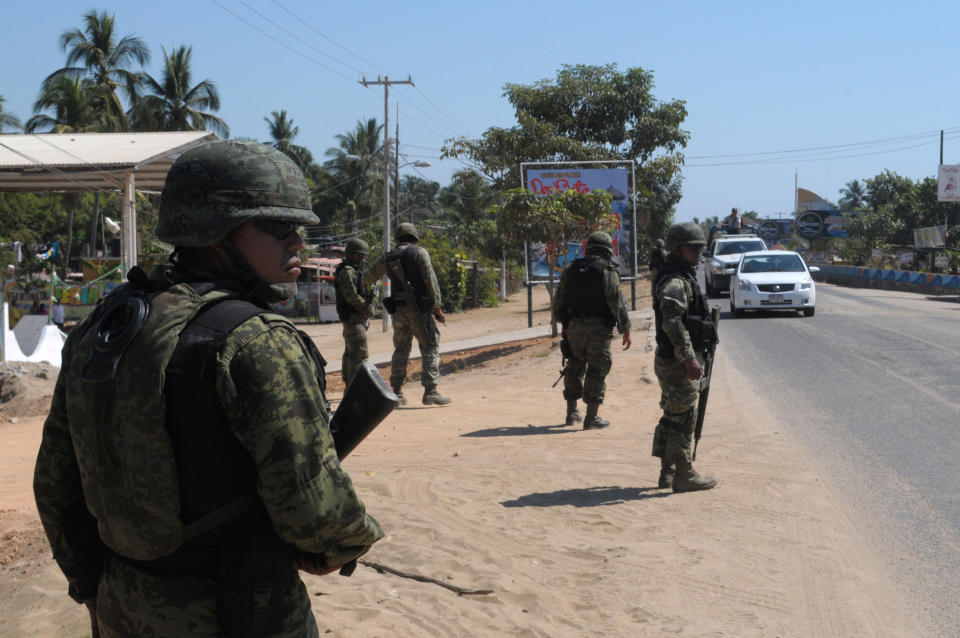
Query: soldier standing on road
x,y
589,304
415,304
354,306
680,312
187,471
658,256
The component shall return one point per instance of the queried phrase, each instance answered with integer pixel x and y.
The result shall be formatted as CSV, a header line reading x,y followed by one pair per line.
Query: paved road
x,y
871,385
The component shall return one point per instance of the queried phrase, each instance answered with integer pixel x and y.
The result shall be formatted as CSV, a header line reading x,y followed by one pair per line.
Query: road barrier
x,y
922,282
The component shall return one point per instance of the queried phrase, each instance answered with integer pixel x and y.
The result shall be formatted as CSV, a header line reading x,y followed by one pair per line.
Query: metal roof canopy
x,y
90,162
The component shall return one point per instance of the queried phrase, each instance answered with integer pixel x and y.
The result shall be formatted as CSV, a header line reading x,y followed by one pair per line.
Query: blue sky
x,y
858,82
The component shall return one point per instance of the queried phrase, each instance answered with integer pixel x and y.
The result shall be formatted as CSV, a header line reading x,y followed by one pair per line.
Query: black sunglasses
x,y
277,229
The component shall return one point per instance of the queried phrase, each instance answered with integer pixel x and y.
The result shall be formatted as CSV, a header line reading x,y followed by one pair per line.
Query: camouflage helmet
x,y
658,243
406,229
600,239
685,233
213,188
356,246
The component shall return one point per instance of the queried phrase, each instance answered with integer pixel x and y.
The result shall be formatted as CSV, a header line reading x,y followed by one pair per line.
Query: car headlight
x,y
716,268
805,286
743,284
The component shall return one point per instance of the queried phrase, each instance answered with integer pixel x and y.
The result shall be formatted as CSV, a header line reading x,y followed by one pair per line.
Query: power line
x,y
793,160
838,147
442,112
302,41
324,36
280,42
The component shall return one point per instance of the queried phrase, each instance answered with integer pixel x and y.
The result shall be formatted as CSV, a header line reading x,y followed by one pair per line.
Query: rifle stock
x,y
705,382
365,404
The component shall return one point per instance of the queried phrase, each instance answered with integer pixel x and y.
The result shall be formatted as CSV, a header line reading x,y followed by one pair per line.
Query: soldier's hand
x,y
94,626
694,371
626,341
438,313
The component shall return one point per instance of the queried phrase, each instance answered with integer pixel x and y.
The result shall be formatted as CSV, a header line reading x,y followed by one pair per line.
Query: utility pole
x,y
386,82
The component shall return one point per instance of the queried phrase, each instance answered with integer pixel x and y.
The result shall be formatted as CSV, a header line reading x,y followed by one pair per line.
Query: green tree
x,y
94,52
7,119
417,199
552,220
589,113
76,106
356,166
853,196
282,132
871,230
173,104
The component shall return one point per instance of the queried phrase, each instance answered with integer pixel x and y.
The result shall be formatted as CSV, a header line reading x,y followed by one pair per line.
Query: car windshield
x,y
730,248
772,263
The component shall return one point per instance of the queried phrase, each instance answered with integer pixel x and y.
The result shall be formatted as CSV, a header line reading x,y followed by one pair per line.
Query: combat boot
x,y
432,397
573,414
592,421
667,472
687,479
397,391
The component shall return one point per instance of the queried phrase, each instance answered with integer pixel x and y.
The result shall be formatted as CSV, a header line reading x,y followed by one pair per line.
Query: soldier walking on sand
x,y
681,313
354,306
588,304
414,303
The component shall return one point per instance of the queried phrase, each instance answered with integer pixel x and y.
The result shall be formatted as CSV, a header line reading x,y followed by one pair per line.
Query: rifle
x,y
365,404
565,354
426,318
708,357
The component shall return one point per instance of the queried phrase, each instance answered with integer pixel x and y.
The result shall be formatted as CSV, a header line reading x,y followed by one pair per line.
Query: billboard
x,y
948,183
615,181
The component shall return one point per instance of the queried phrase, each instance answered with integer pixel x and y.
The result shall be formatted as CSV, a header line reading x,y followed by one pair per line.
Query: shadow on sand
x,y
528,430
587,497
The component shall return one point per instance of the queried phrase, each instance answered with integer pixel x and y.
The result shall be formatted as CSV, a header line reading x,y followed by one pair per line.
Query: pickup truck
x,y
722,258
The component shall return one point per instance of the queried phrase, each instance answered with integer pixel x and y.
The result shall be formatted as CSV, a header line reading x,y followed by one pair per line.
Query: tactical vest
x,y
696,319
160,464
407,255
585,294
344,310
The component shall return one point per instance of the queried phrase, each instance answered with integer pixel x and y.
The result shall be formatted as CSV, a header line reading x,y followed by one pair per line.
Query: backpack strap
x,y
203,337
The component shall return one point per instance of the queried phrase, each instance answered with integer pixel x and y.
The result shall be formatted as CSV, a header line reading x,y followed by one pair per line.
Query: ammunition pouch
x,y
256,573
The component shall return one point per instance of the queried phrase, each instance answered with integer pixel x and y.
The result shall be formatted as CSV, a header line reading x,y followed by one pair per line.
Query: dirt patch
x,y
26,388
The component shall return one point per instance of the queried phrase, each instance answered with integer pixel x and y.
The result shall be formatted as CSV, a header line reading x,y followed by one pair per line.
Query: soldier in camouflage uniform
x,y
181,490
589,304
415,301
679,308
354,306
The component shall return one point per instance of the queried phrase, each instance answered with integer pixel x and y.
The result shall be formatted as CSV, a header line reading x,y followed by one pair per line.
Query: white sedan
x,y
773,280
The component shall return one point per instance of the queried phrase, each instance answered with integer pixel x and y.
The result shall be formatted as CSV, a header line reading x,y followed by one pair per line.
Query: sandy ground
x,y
565,528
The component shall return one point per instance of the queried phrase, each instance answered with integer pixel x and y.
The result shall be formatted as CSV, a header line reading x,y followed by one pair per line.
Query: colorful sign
x,y
948,183
584,180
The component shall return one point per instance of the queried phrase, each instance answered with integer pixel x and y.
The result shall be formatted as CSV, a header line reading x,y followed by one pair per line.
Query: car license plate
x,y
776,298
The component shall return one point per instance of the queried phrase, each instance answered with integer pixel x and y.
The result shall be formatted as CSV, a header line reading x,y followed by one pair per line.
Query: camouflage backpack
x,y
117,410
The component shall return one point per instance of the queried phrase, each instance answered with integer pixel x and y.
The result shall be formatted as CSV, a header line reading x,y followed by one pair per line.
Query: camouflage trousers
x,y
587,369
673,436
136,602
406,326
354,347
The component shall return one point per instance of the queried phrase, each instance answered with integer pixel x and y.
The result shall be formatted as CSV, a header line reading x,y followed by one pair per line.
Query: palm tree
x,y
172,104
75,103
7,119
95,52
356,165
853,196
283,131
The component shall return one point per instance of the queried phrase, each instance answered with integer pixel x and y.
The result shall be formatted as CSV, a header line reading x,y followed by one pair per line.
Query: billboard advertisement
x,y
948,183
584,180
